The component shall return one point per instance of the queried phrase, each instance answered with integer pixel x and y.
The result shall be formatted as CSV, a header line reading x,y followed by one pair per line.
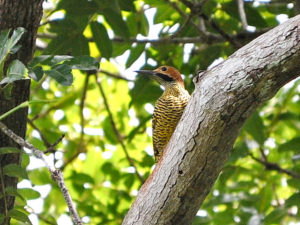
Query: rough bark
x,y
224,97
17,123
13,14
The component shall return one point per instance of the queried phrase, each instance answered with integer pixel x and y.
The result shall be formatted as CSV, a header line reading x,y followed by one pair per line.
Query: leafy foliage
x,y
95,162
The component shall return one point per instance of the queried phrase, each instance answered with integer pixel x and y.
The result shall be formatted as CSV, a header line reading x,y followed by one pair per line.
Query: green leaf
x,y
1,218
108,131
36,73
254,18
7,44
291,145
7,150
293,182
126,5
17,34
83,62
25,160
293,200
40,176
255,127
240,150
81,178
144,91
135,53
13,192
275,216
164,12
15,170
129,180
77,7
41,59
102,40
29,193
61,73
15,71
111,12
60,58
75,44
18,215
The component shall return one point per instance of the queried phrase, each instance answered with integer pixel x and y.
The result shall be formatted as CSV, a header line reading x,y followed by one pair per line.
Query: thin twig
x,y
117,76
182,14
242,13
81,146
208,38
51,148
116,131
20,106
55,173
274,166
196,9
44,139
181,28
81,107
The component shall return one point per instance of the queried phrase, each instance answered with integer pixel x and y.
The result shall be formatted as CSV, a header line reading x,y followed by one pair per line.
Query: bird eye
x,y
164,68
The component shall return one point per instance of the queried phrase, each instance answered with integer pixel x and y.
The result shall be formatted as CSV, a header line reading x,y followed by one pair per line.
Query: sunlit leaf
x,y
102,40
15,71
19,216
135,53
61,73
291,145
29,193
83,62
255,127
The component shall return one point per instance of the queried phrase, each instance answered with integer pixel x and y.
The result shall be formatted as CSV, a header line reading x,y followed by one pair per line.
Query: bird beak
x,y
146,72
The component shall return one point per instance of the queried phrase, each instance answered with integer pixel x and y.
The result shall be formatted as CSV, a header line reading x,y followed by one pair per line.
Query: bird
x,y
168,108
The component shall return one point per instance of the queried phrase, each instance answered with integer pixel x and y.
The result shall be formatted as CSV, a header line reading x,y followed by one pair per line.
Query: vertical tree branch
x,y
242,14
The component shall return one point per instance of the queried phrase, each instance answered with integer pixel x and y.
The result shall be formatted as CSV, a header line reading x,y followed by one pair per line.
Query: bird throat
x,y
175,89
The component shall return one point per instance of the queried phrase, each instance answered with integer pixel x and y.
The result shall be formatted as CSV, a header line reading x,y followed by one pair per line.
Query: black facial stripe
x,y
164,77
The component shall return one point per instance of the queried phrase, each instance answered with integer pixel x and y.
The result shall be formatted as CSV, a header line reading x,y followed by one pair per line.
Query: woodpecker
x,y
168,108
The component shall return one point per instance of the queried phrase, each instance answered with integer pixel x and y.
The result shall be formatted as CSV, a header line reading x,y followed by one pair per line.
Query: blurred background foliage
x,y
107,152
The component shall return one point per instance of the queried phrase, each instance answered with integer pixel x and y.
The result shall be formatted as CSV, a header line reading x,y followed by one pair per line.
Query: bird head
x,y
166,76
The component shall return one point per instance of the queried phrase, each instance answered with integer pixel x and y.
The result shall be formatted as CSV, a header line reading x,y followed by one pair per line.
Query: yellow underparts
x,y
167,112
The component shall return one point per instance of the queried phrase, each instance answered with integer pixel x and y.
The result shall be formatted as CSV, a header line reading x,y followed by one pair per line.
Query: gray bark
x,y
224,98
13,14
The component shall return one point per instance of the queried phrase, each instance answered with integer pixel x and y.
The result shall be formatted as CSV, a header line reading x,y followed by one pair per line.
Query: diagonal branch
x,y
117,76
274,166
224,98
81,146
116,131
56,174
196,9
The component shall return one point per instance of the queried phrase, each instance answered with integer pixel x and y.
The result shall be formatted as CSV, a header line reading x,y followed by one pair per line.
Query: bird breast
x,y
167,113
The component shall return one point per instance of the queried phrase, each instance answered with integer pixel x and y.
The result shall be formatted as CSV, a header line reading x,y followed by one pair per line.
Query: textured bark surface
x,y
13,14
22,13
224,97
17,123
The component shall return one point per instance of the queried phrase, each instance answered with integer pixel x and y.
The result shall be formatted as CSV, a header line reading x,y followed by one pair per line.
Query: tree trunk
x,y
224,98
13,14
